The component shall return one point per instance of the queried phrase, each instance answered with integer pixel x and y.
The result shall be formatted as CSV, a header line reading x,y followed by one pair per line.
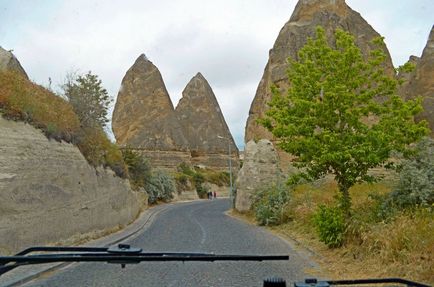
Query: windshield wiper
x,y
316,283
122,254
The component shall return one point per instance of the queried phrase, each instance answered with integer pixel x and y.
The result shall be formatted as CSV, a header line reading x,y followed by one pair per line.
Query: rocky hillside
x,y
144,119
308,14
420,82
48,191
204,126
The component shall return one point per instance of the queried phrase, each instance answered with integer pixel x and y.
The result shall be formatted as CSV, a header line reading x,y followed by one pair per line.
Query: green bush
x,y
269,204
218,178
161,186
202,190
98,150
185,169
416,179
139,169
330,224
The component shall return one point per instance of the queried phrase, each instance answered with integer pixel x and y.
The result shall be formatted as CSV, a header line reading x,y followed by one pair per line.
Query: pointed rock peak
x,y
142,60
202,120
199,79
306,9
9,62
143,115
199,76
198,86
142,57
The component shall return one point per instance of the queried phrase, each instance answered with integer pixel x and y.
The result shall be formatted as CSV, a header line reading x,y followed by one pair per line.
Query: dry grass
x,y
23,100
400,247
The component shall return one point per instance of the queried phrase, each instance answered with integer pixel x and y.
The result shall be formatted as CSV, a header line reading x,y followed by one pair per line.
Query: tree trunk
x,y
345,200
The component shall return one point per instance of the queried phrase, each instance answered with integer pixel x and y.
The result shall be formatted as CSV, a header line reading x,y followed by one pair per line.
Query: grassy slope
x,y
401,247
22,100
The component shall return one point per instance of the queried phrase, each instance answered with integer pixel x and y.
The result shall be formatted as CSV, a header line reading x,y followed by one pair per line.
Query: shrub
x,y
269,204
185,169
139,169
161,186
98,150
416,179
218,178
330,225
202,190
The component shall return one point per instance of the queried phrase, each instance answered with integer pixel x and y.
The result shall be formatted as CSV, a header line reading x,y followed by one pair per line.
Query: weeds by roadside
x,y
397,246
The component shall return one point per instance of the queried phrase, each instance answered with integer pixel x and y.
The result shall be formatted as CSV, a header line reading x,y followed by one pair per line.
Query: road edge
x,y
144,220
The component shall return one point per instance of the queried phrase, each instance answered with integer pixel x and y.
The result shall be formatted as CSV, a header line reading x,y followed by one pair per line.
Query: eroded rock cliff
x,y
308,14
204,126
48,191
144,117
9,62
420,82
260,169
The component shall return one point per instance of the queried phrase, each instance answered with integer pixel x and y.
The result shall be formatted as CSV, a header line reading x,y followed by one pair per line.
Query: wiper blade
x,y
122,254
316,283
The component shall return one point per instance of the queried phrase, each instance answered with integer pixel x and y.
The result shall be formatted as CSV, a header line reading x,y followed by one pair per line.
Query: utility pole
x,y
231,194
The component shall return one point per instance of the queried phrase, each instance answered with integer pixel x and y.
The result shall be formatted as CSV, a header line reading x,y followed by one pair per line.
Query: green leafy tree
x,y
341,114
88,98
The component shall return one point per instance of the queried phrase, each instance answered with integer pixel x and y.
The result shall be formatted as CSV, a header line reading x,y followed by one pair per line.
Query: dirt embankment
x,y
48,192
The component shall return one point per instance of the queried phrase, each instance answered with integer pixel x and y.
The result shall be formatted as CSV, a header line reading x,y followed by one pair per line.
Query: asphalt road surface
x,y
200,226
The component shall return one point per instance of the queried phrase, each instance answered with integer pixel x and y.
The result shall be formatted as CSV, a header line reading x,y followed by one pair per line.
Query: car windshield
x,y
216,143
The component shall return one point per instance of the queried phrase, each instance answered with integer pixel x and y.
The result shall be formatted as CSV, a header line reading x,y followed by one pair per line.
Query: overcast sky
x,y
226,40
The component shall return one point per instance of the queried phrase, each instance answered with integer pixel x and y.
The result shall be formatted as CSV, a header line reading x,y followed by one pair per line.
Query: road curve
x,y
199,226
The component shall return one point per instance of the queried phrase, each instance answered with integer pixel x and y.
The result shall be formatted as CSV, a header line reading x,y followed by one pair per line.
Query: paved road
x,y
192,227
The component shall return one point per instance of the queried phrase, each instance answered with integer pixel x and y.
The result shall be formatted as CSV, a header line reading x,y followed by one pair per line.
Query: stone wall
x,y
48,192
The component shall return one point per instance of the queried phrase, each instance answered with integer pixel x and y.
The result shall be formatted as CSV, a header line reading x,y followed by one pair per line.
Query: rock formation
x,y
9,62
260,169
420,82
203,125
308,14
144,117
48,191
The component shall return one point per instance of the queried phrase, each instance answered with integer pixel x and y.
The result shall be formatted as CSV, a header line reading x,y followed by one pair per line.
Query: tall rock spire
x,y
308,14
203,124
144,116
420,82
9,62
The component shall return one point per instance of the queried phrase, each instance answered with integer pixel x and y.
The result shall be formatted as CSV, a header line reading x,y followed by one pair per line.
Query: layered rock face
x,y
308,14
144,117
9,62
420,82
260,169
204,126
48,191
